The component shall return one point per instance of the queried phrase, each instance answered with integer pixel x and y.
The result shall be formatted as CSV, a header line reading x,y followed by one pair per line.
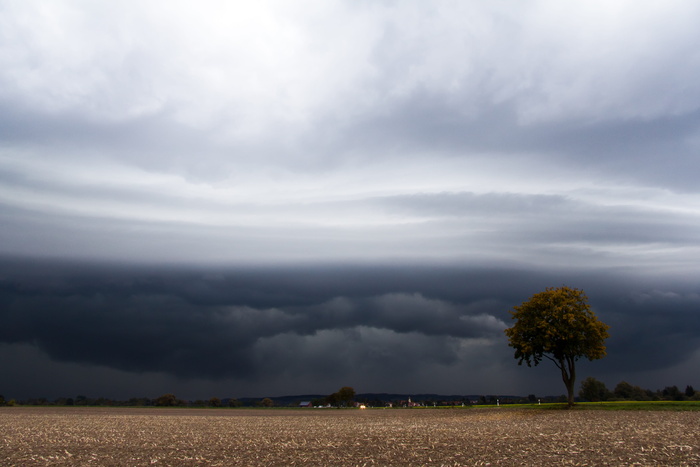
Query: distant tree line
x,y
593,390
3,402
166,400
343,398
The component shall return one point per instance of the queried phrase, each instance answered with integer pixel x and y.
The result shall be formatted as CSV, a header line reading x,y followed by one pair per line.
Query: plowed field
x,y
92,436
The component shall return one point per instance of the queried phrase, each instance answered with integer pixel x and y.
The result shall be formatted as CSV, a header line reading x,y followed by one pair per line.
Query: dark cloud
x,y
207,325
323,325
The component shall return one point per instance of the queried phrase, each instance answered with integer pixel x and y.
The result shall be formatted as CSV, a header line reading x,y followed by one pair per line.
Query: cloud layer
x,y
310,329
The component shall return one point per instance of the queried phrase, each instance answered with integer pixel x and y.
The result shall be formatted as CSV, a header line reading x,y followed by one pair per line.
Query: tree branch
x,y
555,361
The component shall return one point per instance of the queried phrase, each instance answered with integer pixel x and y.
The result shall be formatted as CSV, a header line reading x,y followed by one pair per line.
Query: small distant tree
x,y
167,400
559,325
267,402
689,392
625,390
332,400
593,390
233,402
346,395
672,393
214,402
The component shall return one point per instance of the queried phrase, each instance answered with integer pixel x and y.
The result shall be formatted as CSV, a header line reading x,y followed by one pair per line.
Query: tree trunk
x,y
568,375
570,389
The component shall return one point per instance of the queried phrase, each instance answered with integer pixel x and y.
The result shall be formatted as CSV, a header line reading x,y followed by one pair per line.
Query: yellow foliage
x,y
557,324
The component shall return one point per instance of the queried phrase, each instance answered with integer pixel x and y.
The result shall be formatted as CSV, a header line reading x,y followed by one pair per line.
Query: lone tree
x,y
559,325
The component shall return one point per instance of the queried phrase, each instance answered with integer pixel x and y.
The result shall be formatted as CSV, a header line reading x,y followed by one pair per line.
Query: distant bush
x,y
593,390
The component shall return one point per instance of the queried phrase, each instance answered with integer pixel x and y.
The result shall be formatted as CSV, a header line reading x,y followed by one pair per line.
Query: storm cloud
x,y
270,198
320,325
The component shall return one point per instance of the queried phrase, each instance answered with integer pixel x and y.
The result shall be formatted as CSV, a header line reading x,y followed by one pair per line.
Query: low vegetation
x,y
593,390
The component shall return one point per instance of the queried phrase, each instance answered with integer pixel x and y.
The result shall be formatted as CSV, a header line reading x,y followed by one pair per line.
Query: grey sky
x,y
530,137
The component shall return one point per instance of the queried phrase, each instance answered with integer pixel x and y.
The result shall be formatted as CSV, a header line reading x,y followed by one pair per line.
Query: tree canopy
x,y
343,397
593,390
559,325
167,400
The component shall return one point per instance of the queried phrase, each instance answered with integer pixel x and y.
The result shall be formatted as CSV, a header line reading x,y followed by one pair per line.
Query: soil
x,y
450,437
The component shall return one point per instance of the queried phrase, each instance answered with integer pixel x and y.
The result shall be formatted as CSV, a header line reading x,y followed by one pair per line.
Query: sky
x,y
242,199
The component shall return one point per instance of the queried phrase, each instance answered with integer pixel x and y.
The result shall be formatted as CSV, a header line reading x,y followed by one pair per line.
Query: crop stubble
x,y
91,436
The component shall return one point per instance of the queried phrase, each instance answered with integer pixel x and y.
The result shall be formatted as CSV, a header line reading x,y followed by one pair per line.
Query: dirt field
x,y
91,436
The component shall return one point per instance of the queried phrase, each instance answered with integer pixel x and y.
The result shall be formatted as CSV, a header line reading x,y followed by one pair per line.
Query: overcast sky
x,y
264,198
